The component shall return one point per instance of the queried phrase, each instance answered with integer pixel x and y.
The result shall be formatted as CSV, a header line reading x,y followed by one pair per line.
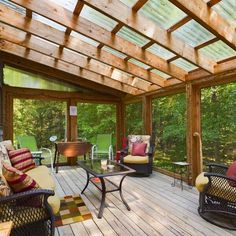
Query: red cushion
x,y
138,149
231,172
22,159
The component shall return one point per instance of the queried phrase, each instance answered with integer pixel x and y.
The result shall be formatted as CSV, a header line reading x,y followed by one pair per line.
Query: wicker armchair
x,y
217,199
30,213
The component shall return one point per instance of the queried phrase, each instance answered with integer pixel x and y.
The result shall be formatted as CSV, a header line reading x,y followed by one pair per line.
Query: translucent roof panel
x,y
162,12
193,33
139,63
132,36
160,51
129,3
14,6
218,51
98,18
48,22
118,74
18,78
84,38
227,9
114,52
185,65
160,73
68,4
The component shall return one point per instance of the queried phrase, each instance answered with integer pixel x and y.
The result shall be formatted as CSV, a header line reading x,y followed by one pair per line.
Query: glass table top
x,y
96,168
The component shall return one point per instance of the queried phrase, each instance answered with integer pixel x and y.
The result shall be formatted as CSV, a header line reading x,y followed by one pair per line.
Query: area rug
x,y
73,209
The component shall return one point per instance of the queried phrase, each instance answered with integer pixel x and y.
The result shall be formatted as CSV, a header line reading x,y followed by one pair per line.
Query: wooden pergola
x,y
118,50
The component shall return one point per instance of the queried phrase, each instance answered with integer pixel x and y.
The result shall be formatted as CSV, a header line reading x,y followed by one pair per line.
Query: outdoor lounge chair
x,y
141,162
217,196
27,141
103,146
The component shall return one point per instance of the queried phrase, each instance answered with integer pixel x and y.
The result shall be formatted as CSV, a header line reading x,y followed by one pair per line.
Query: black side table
x,y
181,165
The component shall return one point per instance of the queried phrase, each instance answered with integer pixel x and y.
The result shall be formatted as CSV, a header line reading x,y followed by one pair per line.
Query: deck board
x,y
156,208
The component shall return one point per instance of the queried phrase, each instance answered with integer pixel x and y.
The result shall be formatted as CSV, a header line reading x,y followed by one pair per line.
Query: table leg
x,y
86,185
121,194
101,209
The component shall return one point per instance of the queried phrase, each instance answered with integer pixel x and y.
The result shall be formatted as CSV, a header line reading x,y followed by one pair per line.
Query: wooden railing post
x,y
194,129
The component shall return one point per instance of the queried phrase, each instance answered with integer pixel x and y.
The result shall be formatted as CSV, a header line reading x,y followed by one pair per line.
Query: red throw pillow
x,y
22,159
139,149
17,180
231,172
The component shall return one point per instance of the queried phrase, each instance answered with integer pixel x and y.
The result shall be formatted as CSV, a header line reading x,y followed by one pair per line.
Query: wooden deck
x,y
156,208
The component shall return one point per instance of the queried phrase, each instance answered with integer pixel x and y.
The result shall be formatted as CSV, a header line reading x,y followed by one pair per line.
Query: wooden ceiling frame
x,y
12,35
149,29
139,4
211,3
209,19
48,33
81,25
66,67
179,24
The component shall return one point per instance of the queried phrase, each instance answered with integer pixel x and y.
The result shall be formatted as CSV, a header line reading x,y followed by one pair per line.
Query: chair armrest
x,y
217,168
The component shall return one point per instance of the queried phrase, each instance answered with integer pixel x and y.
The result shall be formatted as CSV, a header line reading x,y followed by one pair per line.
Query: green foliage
x,y
218,108
133,118
169,129
39,118
96,119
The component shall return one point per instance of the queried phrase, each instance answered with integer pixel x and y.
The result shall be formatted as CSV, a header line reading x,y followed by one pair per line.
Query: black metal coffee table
x,y
94,168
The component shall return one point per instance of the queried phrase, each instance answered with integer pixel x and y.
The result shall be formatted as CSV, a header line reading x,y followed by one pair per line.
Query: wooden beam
x,y
194,129
63,66
117,28
139,23
179,24
1,100
210,19
211,3
147,114
139,4
119,125
41,30
173,58
206,43
78,7
17,37
29,13
62,16
149,44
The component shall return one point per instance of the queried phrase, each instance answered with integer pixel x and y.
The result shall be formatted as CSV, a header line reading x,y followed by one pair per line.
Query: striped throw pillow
x,y
22,159
17,180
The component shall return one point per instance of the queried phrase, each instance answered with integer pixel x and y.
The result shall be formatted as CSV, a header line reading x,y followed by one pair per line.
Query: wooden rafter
x,y
210,19
179,24
17,37
149,44
29,13
211,3
206,43
117,28
139,4
53,35
66,67
78,7
121,13
89,29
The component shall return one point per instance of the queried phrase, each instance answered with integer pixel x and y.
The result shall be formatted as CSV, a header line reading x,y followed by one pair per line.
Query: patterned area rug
x,y
73,209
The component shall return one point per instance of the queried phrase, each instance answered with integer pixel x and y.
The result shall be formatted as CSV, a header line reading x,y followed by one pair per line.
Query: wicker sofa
x,y
32,212
217,196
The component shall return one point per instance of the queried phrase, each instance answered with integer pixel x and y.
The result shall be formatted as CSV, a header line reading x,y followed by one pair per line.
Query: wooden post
x,y
119,124
72,126
1,100
147,114
194,129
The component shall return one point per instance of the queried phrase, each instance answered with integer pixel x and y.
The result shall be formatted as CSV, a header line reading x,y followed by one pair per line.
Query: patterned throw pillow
x,y
4,187
17,180
22,159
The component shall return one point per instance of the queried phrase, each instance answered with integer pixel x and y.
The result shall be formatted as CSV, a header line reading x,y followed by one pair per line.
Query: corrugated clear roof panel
x,y
14,6
193,33
98,18
68,4
139,63
85,39
114,52
218,51
160,73
185,65
132,36
160,51
162,12
227,9
48,22
129,3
